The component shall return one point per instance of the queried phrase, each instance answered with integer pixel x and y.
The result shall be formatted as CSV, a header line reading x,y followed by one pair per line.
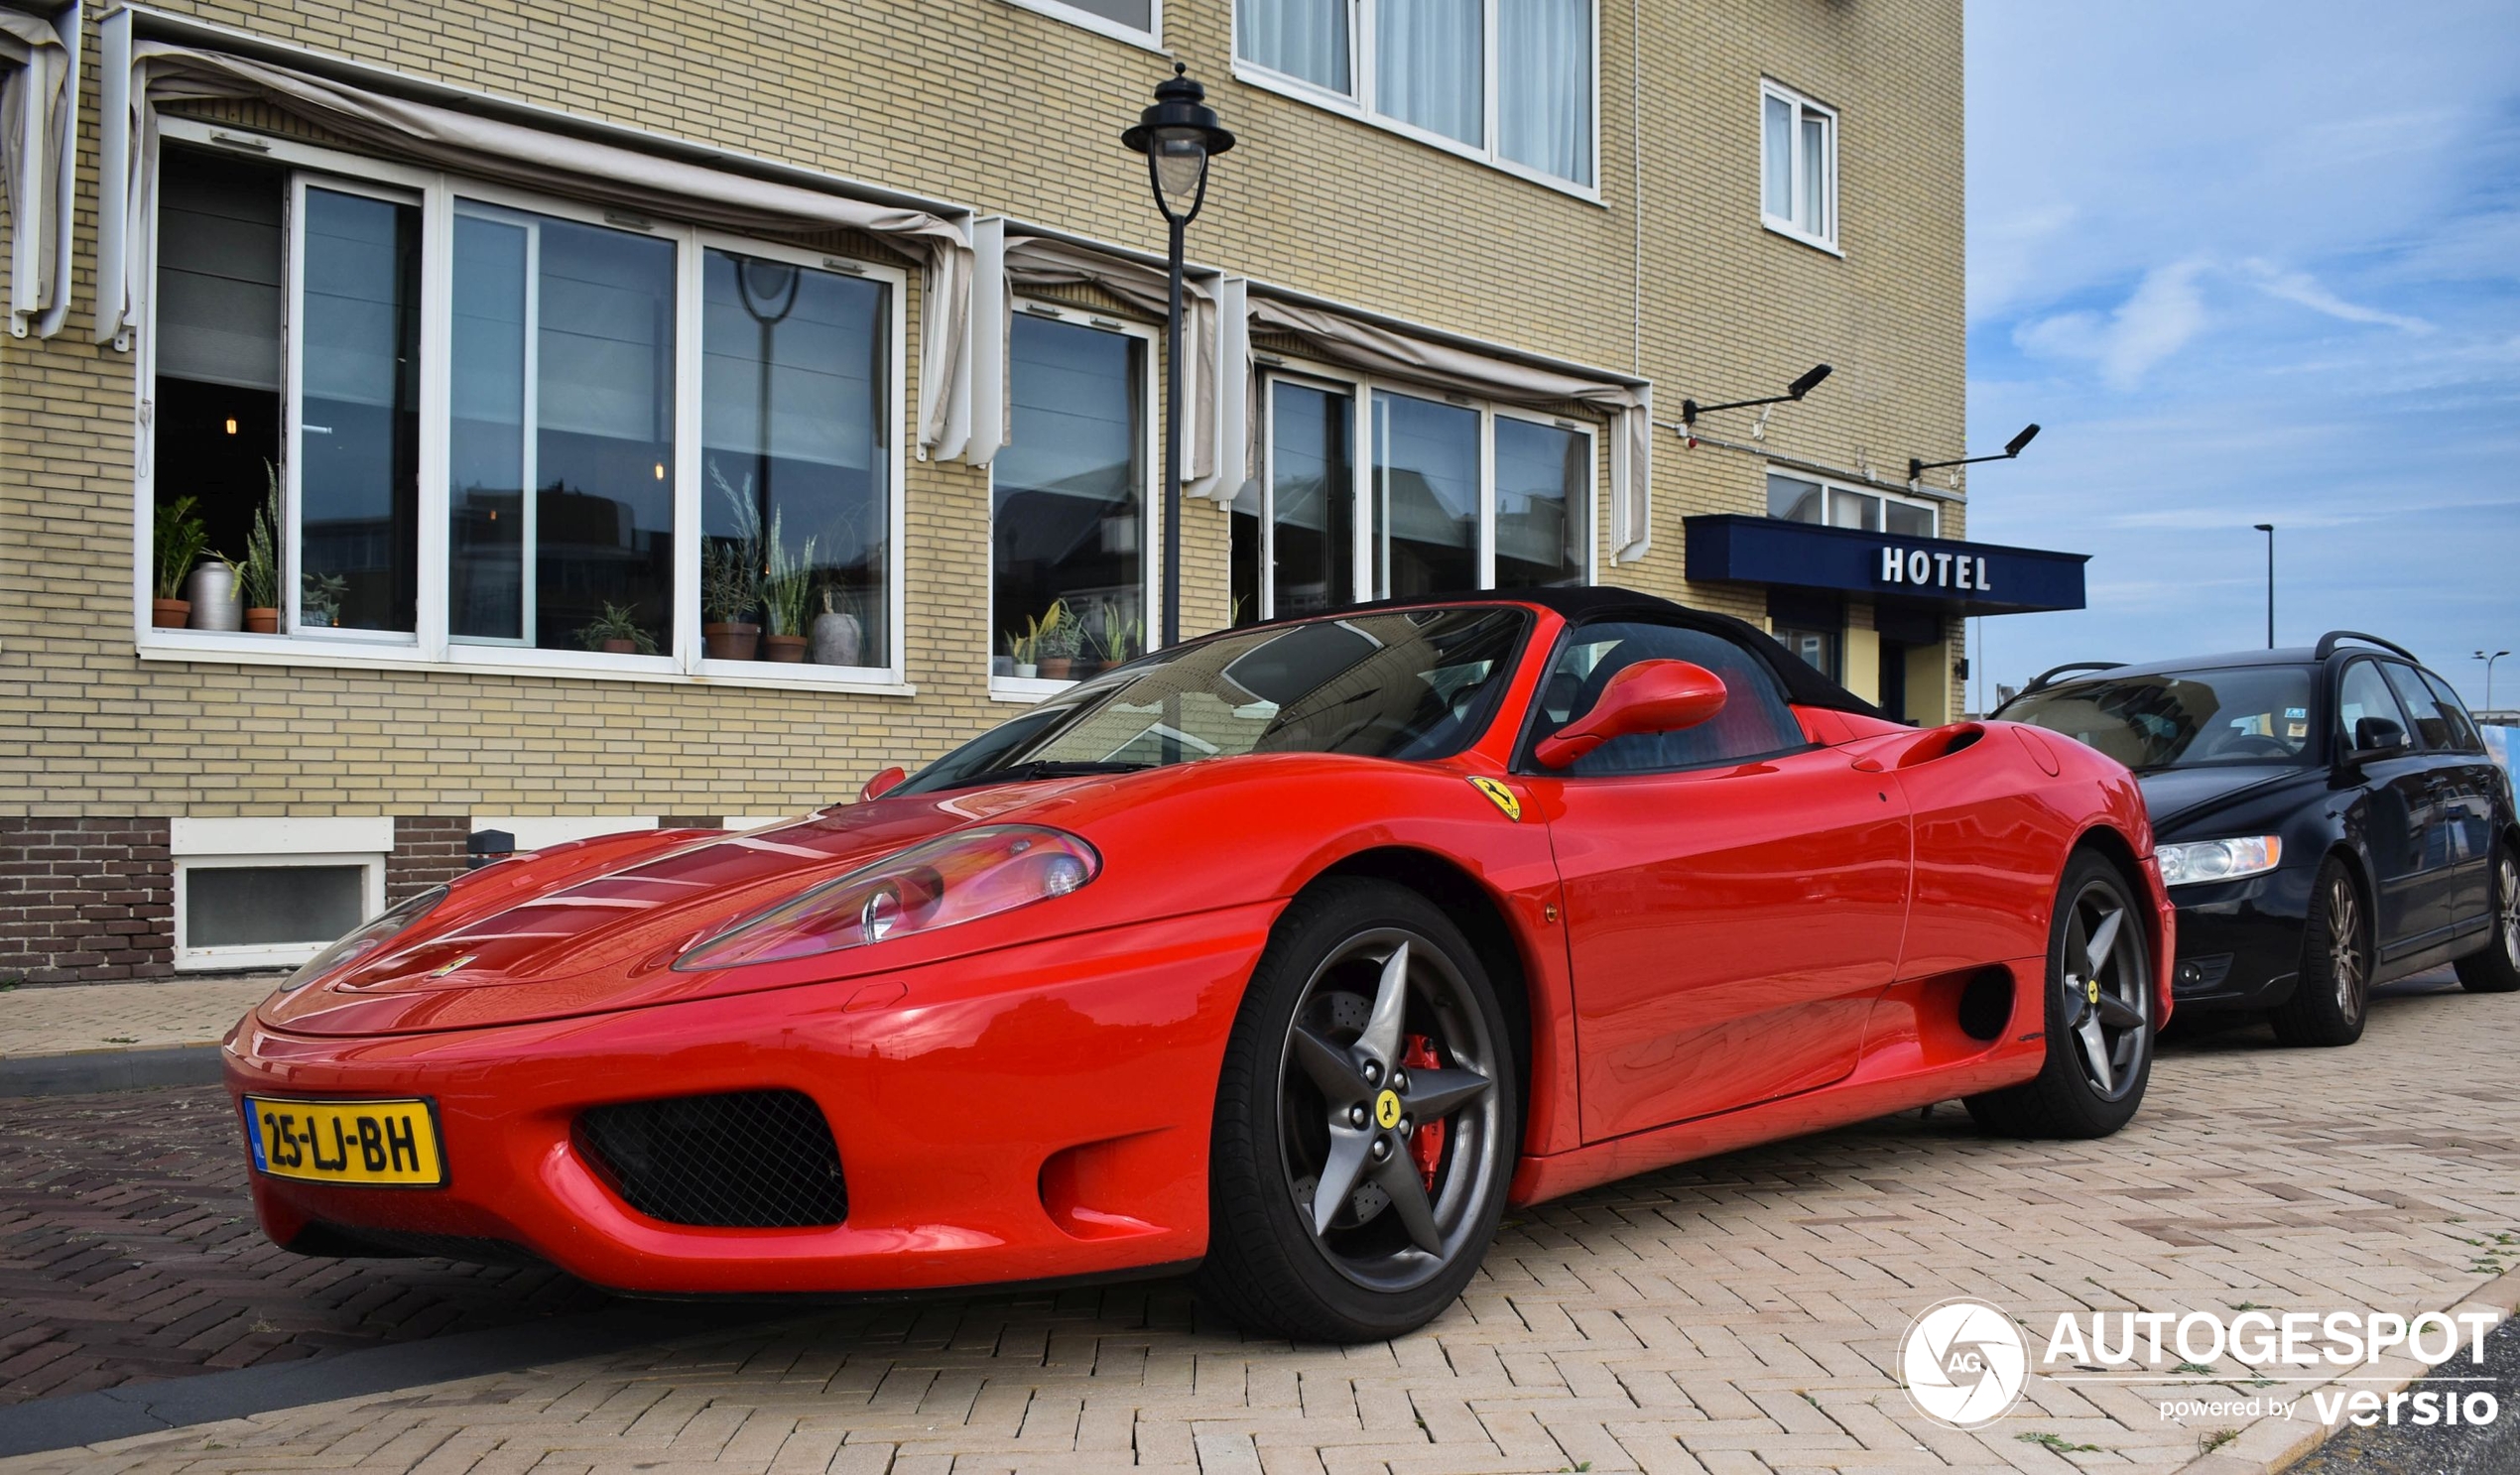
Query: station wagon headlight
x,y
953,879
365,938
2219,860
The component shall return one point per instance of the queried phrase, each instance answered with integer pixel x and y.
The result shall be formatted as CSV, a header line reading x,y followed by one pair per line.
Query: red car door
x,y
1734,898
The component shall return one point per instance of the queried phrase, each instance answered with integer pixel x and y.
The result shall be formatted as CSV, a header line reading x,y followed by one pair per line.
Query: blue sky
x,y
2249,263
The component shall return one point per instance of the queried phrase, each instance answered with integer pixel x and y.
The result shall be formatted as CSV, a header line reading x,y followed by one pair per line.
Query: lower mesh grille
x,y
748,1160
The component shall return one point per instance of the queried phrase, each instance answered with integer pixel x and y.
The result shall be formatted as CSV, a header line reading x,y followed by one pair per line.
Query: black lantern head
x,y
1178,136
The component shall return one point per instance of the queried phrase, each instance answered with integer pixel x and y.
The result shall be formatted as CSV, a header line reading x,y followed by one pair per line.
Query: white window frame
x,y
1832,489
1368,575
431,648
1825,238
1359,105
1030,690
1151,39
228,844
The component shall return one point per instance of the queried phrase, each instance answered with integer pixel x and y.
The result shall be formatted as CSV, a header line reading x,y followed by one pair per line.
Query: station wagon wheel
x,y
2333,992
2106,983
2099,1005
2495,967
1367,1121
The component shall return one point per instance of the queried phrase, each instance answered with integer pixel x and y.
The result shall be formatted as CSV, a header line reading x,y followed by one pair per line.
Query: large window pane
x,y
1776,172
1426,495
1543,493
1312,482
592,404
1304,39
793,435
1068,497
1430,68
359,422
1796,500
222,256
1544,85
1908,519
1855,510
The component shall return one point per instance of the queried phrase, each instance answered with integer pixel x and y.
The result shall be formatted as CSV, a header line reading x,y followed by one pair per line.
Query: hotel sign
x,y
1939,568
1943,574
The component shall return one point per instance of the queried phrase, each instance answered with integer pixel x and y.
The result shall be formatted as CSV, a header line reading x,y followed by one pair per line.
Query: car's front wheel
x,y
2100,1015
2333,992
2495,967
1366,1122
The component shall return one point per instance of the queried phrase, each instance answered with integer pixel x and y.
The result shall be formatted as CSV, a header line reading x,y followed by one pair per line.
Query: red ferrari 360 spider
x,y
1292,954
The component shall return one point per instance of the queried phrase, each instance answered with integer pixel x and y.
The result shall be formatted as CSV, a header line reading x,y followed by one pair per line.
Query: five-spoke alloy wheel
x,y
2100,1008
2333,992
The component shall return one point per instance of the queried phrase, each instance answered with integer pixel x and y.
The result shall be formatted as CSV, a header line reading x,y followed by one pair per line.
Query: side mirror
x,y
1650,696
2377,737
882,784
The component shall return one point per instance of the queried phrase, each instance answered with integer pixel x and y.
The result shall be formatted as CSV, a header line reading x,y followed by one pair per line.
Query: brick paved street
x,y
1734,1316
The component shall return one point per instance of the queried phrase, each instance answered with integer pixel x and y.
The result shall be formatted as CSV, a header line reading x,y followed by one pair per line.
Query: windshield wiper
x,y
1046,768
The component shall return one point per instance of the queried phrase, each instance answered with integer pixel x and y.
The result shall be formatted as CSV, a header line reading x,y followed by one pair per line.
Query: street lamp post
x,y
2269,530
2489,674
1178,136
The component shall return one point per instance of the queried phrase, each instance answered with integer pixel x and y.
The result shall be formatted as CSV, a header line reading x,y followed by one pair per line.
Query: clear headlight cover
x,y
2219,860
365,938
951,879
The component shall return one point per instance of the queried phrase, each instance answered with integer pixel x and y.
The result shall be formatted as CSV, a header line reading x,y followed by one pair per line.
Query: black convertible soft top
x,y
1804,685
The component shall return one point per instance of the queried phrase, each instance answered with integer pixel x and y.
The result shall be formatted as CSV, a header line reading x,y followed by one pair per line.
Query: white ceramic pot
x,y
215,605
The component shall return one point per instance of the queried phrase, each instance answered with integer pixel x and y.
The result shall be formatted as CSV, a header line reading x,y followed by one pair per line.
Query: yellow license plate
x,y
388,1143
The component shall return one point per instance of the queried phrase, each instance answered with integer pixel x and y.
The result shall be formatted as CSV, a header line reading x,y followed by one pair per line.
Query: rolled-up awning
x,y
142,74
38,135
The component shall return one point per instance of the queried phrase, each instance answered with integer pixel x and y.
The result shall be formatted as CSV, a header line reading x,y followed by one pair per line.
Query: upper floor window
x,y
1140,21
1798,166
1510,82
1798,500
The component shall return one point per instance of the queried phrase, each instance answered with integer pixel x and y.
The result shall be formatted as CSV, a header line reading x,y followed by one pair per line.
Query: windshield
x,y
1409,685
2182,719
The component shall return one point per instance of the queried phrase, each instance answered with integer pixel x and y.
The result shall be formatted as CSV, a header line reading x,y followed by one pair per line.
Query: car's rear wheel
x,y
2495,968
2333,992
1366,1122
2100,1015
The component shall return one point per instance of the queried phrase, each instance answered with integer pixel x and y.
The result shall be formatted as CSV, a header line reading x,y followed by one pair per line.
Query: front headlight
x,y
953,879
2219,860
365,938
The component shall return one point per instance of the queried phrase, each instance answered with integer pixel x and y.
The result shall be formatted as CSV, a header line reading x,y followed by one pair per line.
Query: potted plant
x,y
320,597
839,635
179,541
730,579
787,592
1121,636
1062,635
1021,653
617,631
258,576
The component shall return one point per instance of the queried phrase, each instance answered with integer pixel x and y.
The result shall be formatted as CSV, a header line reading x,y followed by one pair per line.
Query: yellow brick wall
x,y
1004,109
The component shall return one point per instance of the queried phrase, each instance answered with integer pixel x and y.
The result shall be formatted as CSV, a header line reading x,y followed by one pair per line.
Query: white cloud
x,y
2304,289
2157,320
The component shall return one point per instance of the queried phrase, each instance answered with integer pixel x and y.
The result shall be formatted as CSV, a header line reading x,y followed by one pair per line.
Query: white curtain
x,y
34,123
1304,39
1429,69
1544,85
1044,261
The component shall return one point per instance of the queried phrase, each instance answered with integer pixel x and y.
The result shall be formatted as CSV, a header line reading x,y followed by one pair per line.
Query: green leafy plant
x,y
179,542
320,597
731,567
258,576
2208,1443
787,583
617,622
1119,634
1060,634
2058,1442
1027,646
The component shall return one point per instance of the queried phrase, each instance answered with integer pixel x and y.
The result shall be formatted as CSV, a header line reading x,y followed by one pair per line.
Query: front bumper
x,y
1036,1112
2240,941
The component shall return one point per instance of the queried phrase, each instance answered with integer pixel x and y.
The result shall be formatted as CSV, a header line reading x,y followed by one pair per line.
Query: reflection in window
x,y
1068,502
359,424
1543,476
563,382
1426,495
793,433
1312,481
1906,519
1855,510
1796,500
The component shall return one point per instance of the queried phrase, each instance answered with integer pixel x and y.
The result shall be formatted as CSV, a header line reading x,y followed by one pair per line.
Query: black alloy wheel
x,y
2099,1000
2332,995
1366,1122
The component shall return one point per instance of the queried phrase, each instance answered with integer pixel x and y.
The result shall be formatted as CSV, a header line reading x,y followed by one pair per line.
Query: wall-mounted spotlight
x,y
2012,447
1810,380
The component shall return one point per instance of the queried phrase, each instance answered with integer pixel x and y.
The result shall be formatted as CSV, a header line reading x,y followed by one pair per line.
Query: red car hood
x,y
596,925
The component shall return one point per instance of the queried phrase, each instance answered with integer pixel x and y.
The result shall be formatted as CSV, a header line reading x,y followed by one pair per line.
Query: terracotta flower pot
x,y
1057,668
783,648
730,642
262,621
170,614
620,647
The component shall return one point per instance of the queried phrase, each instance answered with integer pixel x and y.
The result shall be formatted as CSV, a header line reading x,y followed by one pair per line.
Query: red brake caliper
x,y
1425,1144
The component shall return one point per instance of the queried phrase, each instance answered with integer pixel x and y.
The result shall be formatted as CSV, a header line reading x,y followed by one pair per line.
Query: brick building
x,y
827,342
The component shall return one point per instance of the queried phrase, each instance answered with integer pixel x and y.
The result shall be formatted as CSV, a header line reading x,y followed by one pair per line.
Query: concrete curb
x,y
109,1070
2270,1445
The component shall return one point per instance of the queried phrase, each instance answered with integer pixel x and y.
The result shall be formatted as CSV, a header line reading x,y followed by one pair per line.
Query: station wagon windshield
x,y
2182,719
1416,684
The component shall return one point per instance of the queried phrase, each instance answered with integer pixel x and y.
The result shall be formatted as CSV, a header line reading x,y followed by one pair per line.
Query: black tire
x,y
2101,1011
2333,996
2495,967
1383,1260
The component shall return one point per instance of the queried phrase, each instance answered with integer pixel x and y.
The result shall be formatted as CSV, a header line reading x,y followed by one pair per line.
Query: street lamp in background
x,y
2269,530
1178,136
2489,674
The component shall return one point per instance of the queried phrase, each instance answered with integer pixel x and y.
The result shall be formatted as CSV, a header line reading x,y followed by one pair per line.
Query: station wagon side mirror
x,y
882,784
2377,737
1655,695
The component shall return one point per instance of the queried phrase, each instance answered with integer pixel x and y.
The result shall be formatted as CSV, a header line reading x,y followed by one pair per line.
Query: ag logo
x,y
1387,1110
1964,1363
1503,796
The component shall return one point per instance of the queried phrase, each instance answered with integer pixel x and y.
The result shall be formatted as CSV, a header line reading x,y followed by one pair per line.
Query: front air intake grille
x,y
748,1160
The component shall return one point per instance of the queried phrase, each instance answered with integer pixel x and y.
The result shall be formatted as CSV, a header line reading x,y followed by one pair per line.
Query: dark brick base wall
x,y
86,901
428,851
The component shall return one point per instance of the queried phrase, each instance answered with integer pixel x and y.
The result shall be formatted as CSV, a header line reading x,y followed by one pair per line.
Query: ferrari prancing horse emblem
x,y
1387,1110
2093,988
1503,796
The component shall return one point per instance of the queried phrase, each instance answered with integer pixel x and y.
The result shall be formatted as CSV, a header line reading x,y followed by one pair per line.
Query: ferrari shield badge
x,y
1503,796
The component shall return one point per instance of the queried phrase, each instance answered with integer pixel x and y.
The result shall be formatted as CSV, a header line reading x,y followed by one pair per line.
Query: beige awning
x,y
39,137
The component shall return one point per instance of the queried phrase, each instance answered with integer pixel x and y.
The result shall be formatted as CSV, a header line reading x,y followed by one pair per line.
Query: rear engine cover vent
x,y
747,1160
